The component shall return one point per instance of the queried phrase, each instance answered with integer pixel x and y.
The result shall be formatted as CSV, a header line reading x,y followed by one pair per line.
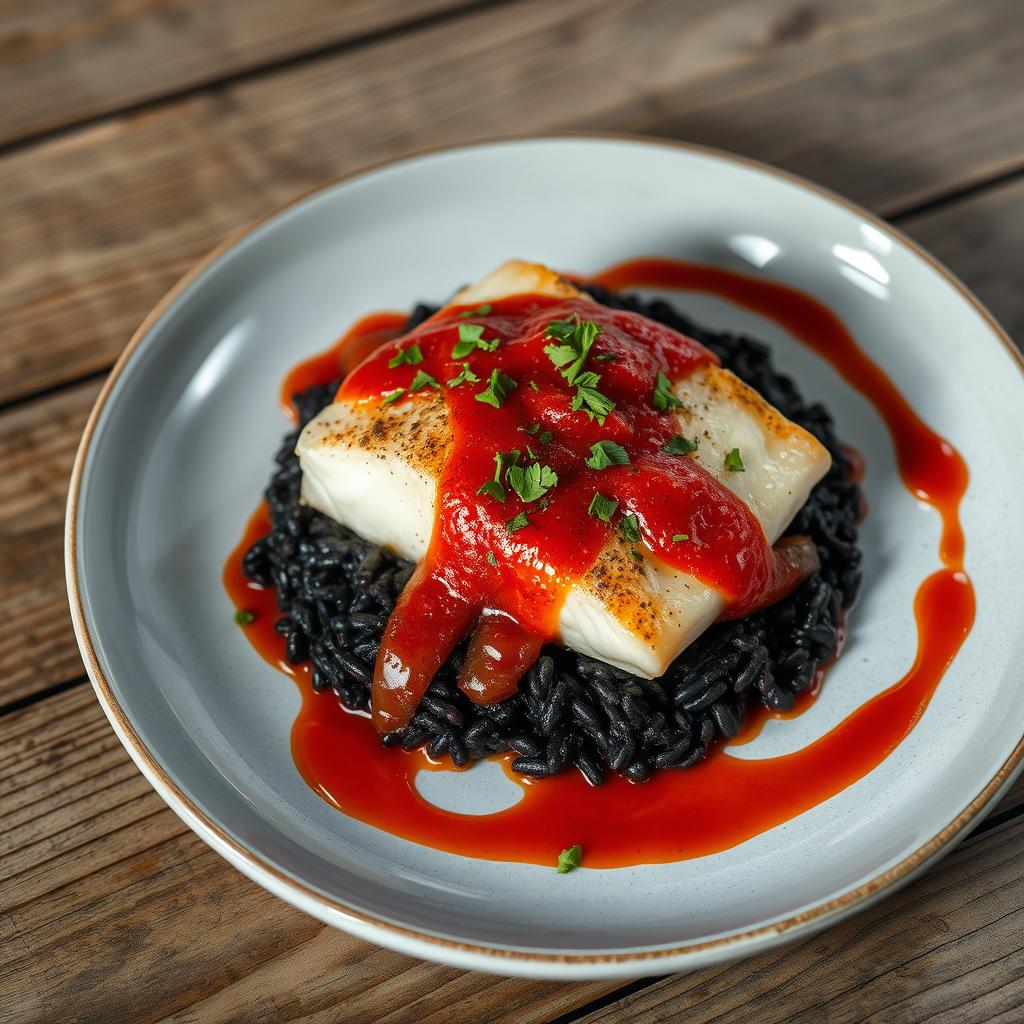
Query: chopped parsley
x,y
679,445
499,387
502,462
423,380
629,527
663,400
531,429
545,437
576,338
471,337
516,523
491,559
531,482
534,386
605,357
411,355
530,452
243,618
589,399
607,453
677,537
602,508
393,396
570,860
479,311
465,376
734,462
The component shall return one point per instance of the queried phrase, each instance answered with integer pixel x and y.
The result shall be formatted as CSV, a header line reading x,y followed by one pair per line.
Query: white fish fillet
x,y
376,471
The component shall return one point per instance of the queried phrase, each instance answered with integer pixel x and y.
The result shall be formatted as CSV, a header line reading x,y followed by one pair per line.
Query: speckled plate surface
x,y
179,448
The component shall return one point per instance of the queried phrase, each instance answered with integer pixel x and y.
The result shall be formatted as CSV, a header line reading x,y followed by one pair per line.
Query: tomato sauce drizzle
x,y
505,590
675,815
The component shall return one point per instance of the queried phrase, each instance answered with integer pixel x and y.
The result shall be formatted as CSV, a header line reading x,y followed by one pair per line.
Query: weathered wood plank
x,y
70,60
110,909
37,447
99,223
946,949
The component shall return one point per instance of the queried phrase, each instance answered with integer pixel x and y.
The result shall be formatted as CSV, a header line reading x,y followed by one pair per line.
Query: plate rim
x,y
414,941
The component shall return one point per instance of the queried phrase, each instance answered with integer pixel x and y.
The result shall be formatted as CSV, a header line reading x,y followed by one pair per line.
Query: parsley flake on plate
x,y
602,508
499,387
607,453
466,376
471,337
575,337
663,399
570,860
734,461
423,380
516,523
411,355
679,445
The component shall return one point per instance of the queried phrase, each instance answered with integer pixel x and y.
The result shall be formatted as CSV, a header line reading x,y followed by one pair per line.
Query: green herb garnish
x,y
471,338
589,399
663,399
607,453
408,356
499,387
491,560
629,527
545,437
677,537
517,522
570,860
605,357
531,482
465,376
679,445
479,311
734,462
393,396
531,429
602,508
423,380
534,386
502,462
243,618
576,338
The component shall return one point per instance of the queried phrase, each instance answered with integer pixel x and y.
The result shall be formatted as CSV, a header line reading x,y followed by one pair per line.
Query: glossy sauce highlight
x,y
675,815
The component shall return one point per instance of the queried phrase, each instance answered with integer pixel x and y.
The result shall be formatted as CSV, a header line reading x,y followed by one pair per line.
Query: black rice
x,y
336,590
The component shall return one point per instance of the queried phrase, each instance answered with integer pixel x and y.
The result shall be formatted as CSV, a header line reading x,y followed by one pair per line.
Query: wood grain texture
x,y
945,950
111,910
38,441
979,239
885,102
69,60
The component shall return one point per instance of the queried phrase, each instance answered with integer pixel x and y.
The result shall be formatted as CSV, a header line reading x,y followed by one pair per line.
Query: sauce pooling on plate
x,y
704,809
548,456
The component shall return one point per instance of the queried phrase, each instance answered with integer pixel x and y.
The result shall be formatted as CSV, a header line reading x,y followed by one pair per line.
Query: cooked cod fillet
x,y
376,470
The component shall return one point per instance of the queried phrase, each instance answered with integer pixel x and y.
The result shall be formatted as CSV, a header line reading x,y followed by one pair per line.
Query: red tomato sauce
x,y
675,815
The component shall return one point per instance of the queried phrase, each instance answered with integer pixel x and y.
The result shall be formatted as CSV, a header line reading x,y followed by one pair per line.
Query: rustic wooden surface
x,y
134,134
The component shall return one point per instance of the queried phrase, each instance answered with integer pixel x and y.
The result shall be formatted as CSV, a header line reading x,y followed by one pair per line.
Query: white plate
x,y
179,448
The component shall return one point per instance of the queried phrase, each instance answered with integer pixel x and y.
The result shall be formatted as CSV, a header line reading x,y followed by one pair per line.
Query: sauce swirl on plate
x,y
676,814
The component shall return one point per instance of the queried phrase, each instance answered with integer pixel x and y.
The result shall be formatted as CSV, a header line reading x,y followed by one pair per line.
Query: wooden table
x,y
134,134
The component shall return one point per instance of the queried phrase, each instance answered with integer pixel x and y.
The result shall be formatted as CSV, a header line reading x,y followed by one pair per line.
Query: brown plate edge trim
x,y
818,915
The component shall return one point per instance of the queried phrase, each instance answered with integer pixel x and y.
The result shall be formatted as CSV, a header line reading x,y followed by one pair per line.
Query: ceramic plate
x,y
180,446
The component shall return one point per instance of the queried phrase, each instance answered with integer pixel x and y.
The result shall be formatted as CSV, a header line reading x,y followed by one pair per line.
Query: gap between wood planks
x,y
302,56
